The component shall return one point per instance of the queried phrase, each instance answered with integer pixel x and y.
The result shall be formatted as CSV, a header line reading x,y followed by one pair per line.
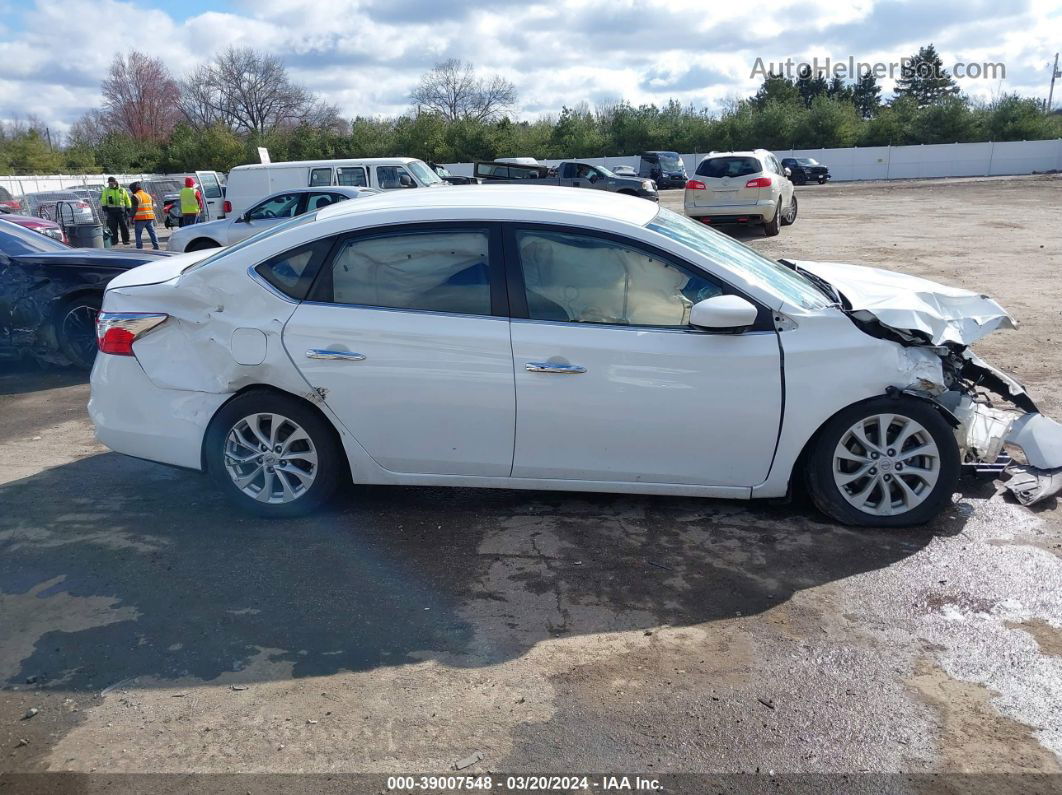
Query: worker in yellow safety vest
x,y
116,203
191,202
143,215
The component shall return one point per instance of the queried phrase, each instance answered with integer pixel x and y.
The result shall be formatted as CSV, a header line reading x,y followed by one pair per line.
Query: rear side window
x,y
718,167
292,272
352,177
438,271
320,176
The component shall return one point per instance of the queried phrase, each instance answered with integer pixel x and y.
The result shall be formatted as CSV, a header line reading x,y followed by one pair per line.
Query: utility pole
x,y
1054,75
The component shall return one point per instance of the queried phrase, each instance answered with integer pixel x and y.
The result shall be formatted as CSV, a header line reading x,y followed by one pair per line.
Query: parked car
x,y
624,171
40,225
803,170
393,341
50,294
741,188
62,206
9,201
267,213
452,179
171,210
248,184
569,174
666,169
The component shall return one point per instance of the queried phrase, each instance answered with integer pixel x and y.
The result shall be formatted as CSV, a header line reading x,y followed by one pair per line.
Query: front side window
x,y
584,279
352,177
284,205
390,177
431,271
320,176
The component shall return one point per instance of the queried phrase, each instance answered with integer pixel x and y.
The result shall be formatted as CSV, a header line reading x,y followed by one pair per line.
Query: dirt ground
x,y
408,631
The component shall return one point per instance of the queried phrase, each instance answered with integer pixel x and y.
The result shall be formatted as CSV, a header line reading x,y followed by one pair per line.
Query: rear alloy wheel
x,y
770,228
884,463
790,214
75,330
272,455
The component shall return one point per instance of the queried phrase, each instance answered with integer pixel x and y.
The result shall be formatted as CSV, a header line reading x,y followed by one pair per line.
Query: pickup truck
x,y
569,174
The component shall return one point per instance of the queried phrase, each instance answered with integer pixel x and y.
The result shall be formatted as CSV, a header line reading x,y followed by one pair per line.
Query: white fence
x,y
894,162
17,186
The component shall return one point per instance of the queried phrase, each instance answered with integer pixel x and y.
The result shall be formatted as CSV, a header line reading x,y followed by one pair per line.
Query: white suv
x,y
741,188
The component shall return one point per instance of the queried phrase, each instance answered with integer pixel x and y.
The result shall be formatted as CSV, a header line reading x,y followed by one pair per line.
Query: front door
x,y
405,331
613,384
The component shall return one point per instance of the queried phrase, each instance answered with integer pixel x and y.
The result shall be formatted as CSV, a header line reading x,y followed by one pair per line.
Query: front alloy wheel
x,y
886,462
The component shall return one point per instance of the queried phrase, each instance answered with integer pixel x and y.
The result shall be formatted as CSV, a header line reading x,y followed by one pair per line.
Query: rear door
x,y
725,179
213,198
406,331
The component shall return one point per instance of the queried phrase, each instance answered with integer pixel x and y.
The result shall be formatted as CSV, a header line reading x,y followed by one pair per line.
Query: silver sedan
x,y
268,212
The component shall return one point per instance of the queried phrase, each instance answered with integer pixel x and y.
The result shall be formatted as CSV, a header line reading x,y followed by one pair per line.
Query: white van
x,y
248,184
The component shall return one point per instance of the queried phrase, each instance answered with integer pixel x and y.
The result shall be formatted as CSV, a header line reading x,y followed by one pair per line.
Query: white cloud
x,y
365,55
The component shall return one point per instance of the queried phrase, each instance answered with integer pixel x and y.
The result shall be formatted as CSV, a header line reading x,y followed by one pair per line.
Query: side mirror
x,y
594,178
723,312
788,172
405,181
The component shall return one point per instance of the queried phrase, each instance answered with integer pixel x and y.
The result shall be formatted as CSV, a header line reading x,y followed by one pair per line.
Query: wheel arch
x,y
800,463
269,389
201,244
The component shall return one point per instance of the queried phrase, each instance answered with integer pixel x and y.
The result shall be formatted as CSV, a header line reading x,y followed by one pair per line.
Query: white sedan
x,y
544,338
270,211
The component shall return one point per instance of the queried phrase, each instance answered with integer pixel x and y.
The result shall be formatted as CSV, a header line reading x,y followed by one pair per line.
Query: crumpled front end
x,y
997,425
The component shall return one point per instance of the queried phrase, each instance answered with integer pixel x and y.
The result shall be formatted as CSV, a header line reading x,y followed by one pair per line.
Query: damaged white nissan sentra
x,y
545,338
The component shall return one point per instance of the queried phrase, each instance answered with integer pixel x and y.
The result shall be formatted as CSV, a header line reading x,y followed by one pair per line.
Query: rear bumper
x,y
760,212
137,418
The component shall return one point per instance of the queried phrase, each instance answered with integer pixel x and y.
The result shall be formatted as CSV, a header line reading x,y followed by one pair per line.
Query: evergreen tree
x,y
925,79
866,95
810,86
839,90
778,88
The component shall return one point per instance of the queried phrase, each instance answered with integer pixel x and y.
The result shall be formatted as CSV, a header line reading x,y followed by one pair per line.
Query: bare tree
x,y
139,96
249,91
88,131
454,90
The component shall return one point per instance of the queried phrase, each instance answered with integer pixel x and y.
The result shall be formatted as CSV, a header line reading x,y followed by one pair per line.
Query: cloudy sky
x,y
365,55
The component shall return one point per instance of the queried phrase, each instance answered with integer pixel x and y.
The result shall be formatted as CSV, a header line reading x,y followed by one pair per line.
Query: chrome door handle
x,y
339,356
549,367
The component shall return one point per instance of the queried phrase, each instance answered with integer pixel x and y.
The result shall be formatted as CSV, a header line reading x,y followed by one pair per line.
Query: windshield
x,y
423,173
669,161
298,220
16,240
807,161
735,256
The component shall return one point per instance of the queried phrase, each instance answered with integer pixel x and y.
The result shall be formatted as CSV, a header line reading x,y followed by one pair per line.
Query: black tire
x,y
326,473
75,329
826,493
770,228
201,244
787,221
822,180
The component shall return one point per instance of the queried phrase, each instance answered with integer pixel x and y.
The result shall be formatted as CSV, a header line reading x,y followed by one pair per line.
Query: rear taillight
x,y
759,182
695,184
227,207
117,331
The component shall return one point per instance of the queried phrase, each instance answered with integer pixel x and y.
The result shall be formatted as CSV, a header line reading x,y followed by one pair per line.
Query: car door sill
x,y
384,477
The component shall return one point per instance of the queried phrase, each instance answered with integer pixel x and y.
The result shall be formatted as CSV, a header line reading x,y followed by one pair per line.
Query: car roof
x,y
756,153
495,200
341,161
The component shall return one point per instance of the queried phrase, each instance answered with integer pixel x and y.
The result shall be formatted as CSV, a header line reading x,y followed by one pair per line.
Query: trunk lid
x,y
159,271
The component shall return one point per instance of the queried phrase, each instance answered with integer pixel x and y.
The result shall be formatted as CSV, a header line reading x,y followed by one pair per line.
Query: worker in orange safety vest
x,y
143,216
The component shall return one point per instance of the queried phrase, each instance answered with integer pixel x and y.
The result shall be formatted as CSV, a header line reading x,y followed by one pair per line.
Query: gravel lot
x,y
404,629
